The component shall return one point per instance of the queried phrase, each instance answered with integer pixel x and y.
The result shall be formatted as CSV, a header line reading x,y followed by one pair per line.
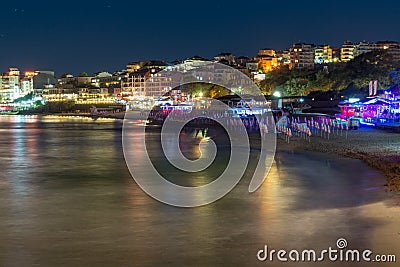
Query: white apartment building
x,y
347,51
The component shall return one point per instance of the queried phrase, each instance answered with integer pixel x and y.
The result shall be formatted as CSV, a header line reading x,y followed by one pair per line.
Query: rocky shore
x,y
379,149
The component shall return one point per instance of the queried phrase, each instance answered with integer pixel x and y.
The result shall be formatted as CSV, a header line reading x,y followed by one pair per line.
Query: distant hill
x,y
355,74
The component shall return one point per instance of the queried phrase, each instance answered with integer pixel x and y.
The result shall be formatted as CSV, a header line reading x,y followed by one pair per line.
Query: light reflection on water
x,y
67,199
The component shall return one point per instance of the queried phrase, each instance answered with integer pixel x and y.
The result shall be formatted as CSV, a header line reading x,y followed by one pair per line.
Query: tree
x,y
395,77
24,98
83,74
217,91
37,103
64,75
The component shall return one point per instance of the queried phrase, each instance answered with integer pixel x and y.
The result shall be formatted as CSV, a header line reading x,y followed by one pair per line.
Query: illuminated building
x,y
30,73
14,72
145,83
78,95
105,79
347,51
26,85
392,47
283,57
364,47
302,56
267,60
75,81
258,76
149,64
54,94
323,54
267,64
266,52
229,77
372,111
225,58
196,66
102,88
134,66
9,85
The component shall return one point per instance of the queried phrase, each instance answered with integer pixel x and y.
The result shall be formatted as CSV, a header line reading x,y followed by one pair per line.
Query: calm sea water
x,y
67,199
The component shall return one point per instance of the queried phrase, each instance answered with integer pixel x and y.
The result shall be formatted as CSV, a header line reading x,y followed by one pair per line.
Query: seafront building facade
x,y
267,60
323,54
364,47
145,83
302,56
392,47
347,51
14,86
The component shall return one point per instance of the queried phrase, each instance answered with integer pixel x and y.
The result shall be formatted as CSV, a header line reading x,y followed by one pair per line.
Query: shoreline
x,y
85,115
377,148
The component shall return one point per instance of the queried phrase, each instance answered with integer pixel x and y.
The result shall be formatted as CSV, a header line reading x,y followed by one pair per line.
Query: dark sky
x,y
74,36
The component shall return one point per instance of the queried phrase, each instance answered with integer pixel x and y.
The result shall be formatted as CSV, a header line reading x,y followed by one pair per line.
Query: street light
x,y
277,94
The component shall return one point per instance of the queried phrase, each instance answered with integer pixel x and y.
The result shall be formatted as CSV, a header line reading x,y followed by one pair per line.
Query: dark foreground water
x,y
67,199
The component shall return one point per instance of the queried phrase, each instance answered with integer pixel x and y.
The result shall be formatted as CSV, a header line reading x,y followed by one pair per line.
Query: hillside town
x,y
21,90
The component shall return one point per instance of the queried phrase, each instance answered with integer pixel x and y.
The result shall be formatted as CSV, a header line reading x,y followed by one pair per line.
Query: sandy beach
x,y
378,148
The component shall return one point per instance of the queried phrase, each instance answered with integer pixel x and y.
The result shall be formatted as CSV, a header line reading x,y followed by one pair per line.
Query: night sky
x,y
74,36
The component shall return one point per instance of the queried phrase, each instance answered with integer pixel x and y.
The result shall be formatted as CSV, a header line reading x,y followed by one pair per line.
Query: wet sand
x,y
378,148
